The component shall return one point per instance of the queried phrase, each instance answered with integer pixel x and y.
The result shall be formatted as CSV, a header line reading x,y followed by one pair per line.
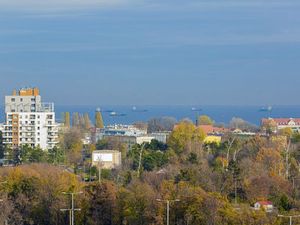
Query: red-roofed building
x,y
211,130
281,123
265,205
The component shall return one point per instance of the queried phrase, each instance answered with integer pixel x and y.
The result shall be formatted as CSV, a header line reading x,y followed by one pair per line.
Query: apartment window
x,y
49,117
13,99
21,99
38,128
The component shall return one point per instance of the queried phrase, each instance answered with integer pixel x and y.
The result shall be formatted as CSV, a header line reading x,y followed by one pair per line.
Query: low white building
x,y
161,136
265,205
106,159
144,139
118,130
281,123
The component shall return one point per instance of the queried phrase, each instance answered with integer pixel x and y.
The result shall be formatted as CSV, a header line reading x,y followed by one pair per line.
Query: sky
x,y
152,52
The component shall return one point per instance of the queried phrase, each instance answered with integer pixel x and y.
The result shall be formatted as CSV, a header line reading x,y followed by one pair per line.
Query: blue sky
x,y
141,52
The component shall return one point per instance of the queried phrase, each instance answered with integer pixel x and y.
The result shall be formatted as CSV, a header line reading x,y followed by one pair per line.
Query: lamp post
x,y
290,217
72,209
168,207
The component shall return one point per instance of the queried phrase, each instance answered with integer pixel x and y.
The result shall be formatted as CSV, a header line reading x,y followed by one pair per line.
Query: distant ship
x,y
135,109
113,113
101,110
196,109
266,109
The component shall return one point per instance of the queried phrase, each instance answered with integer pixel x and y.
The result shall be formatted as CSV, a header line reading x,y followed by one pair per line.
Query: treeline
x,y
82,120
212,183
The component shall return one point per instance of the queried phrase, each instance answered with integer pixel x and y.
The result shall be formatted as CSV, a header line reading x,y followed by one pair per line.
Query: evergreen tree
x,y
87,122
99,120
67,120
75,119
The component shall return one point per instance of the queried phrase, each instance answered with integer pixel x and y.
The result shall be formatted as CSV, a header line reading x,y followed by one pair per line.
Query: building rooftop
x,y
26,92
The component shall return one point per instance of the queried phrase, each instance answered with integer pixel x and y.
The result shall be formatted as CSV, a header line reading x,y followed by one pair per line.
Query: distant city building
x,y
29,121
144,139
106,159
125,134
161,136
118,130
281,123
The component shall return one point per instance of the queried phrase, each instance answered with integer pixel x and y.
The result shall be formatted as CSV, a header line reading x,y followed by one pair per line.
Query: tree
x,y
269,125
99,120
288,132
101,204
56,156
136,205
32,155
238,123
184,135
161,124
75,119
67,120
72,144
87,122
1,146
205,120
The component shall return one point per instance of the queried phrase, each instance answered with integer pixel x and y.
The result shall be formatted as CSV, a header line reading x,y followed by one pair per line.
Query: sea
x,y
220,114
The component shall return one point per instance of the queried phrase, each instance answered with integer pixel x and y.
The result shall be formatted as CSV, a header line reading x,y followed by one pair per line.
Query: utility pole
x,y
168,207
290,217
72,209
287,165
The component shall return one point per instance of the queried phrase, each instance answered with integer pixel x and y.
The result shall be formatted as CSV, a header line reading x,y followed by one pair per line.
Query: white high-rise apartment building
x,y
29,121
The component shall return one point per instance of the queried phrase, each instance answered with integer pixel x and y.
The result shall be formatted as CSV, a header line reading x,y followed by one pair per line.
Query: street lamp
x,y
290,217
168,207
72,209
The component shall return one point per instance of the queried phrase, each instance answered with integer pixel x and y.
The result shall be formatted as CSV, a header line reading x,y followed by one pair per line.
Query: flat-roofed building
x,y
29,121
106,159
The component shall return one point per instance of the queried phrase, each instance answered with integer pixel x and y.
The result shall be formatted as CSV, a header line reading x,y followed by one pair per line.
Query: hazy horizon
x,y
128,52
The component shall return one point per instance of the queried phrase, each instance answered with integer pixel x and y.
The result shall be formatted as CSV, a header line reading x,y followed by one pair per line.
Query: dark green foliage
x,y
102,144
156,145
32,155
56,156
193,158
151,159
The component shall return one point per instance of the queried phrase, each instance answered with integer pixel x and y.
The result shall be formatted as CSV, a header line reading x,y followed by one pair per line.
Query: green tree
x,y
56,156
1,146
32,155
99,120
